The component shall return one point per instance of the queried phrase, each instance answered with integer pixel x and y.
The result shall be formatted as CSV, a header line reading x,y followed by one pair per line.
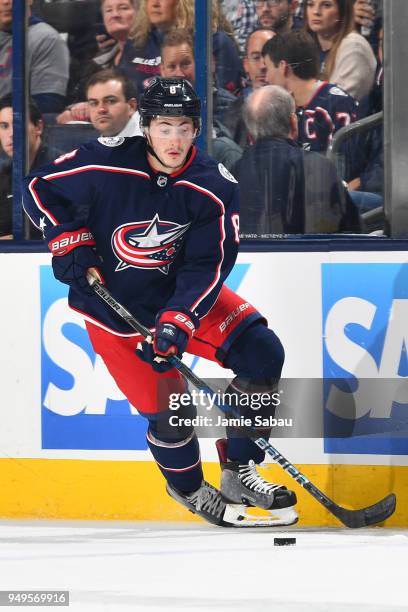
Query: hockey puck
x,y
284,541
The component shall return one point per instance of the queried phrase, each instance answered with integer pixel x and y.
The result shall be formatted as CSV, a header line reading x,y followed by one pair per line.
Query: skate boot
x,y
207,502
242,487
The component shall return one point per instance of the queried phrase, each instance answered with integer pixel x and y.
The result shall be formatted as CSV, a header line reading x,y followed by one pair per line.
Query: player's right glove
x,y
173,331
73,255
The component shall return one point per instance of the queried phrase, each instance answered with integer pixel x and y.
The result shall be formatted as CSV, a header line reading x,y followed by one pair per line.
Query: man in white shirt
x,y
112,104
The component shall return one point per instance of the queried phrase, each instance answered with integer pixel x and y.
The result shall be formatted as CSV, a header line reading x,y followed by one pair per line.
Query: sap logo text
x,y
356,358
91,384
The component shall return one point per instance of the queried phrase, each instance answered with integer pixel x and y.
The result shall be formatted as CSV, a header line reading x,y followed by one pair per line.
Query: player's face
x,y
6,14
273,13
6,130
171,139
275,75
109,111
161,13
178,61
254,63
118,17
323,17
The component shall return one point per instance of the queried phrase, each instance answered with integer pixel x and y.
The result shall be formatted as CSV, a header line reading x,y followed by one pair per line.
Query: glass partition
x,y
295,177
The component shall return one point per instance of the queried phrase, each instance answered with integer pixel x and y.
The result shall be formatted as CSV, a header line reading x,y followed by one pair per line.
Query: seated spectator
x,y
283,188
115,50
156,17
177,54
112,104
346,57
279,15
242,16
255,70
47,61
292,61
38,155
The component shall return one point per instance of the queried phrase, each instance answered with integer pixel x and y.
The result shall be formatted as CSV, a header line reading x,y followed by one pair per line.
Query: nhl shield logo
x,y
162,180
150,245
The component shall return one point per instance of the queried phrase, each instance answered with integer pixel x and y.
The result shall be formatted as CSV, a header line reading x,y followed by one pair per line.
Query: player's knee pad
x,y
256,355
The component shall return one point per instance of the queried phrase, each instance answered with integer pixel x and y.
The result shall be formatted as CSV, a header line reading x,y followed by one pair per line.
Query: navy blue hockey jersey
x,y
327,111
166,241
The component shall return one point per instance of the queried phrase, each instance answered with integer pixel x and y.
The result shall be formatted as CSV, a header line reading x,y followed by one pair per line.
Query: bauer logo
x,y
82,408
365,365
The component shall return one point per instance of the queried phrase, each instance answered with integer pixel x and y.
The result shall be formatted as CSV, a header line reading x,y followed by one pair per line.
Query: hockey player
x,y
157,220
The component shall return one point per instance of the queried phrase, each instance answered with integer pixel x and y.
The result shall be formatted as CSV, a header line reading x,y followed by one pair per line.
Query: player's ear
x,y
284,68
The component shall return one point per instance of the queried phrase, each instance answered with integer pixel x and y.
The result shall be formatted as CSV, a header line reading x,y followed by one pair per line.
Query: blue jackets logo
x,y
82,407
365,364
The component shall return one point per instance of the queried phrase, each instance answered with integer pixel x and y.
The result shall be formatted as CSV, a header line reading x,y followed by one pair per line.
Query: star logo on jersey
x,y
151,245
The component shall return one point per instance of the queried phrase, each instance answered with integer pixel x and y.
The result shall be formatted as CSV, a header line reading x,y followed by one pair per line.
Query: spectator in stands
x,y
177,54
156,17
283,188
112,104
47,60
255,69
116,51
292,61
243,18
346,57
279,15
38,155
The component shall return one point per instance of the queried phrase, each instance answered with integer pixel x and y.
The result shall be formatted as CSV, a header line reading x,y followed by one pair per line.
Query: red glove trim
x,y
179,319
64,243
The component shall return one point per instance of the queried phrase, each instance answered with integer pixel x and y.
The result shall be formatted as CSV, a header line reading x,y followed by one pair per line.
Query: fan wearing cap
x,y
157,220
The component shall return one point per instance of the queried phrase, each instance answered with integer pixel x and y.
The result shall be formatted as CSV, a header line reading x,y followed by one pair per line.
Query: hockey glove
x,y
173,331
73,255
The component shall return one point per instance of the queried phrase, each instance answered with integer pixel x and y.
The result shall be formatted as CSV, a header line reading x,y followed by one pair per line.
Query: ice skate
x,y
242,488
207,502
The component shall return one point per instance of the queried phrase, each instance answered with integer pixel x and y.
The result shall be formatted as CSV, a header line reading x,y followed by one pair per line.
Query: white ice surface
x,y
156,567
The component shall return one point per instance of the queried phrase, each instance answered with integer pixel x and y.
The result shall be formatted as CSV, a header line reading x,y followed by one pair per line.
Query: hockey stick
x,y
370,515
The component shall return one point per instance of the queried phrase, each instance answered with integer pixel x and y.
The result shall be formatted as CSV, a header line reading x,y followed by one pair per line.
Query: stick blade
x,y
372,515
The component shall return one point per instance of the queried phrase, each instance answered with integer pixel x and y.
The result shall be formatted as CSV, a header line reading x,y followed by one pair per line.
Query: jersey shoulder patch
x,y
336,91
111,141
226,173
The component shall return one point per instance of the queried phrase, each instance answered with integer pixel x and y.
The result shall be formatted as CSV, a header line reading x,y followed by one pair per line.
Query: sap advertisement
x,y
365,361
342,318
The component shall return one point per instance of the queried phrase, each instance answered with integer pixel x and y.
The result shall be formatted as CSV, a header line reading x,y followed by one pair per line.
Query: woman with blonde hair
x,y
115,51
346,57
156,17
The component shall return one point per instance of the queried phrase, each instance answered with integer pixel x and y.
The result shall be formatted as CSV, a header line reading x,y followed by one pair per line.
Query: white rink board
x,y
285,287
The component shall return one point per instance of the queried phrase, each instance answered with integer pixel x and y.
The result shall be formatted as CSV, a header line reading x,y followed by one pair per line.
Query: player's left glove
x,y
173,332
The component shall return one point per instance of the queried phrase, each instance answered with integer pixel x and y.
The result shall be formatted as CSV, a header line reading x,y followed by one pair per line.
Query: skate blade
x,y
237,515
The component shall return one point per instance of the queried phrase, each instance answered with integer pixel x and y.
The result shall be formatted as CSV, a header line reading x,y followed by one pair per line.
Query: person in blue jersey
x,y
157,221
292,62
